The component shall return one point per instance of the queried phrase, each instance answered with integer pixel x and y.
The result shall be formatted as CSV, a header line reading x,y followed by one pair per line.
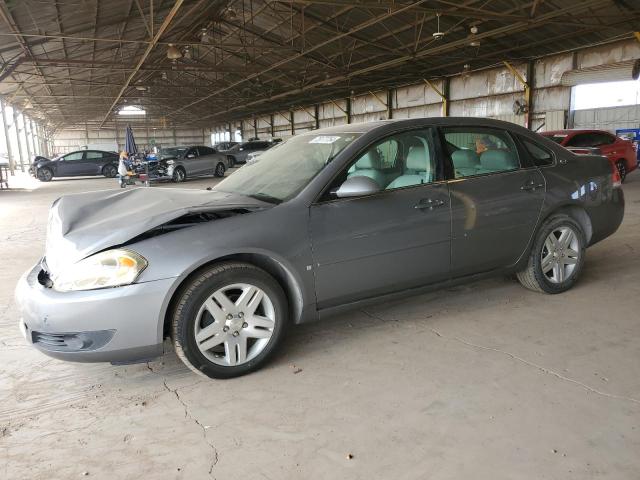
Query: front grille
x,y
72,342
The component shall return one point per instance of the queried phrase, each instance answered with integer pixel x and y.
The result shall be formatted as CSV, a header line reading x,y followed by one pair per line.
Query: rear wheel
x,y
220,169
231,161
45,174
179,175
109,171
557,256
622,169
229,320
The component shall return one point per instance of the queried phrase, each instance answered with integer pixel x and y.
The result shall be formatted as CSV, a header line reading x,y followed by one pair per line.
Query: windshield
x,y
287,168
558,137
172,152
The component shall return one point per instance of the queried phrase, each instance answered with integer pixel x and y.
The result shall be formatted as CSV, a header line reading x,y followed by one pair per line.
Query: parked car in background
x,y
238,153
222,146
332,219
621,153
192,161
75,164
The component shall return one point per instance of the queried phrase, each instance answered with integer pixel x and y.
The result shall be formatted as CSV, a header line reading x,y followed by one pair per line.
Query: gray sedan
x,y
332,219
194,161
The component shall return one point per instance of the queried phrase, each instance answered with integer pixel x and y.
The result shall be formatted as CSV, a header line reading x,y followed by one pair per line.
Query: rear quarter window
x,y
541,156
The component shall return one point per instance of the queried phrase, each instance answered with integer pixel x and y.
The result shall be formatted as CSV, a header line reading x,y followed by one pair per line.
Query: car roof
x,y
573,131
410,122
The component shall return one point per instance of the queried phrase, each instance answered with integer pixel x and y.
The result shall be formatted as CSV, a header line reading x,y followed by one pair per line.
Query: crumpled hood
x,y
86,223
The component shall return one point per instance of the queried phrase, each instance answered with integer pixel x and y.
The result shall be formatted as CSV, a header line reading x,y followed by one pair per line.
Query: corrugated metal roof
x,y
71,58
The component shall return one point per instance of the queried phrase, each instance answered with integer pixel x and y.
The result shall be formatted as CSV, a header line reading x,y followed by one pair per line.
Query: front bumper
x,y
118,325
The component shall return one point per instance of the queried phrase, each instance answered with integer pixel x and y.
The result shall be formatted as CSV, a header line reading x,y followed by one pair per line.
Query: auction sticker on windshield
x,y
324,139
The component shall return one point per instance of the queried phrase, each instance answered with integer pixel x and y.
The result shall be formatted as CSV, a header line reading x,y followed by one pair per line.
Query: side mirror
x,y
357,187
191,155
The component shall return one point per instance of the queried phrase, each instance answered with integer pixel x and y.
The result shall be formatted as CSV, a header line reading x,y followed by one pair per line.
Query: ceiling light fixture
x,y
132,110
173,53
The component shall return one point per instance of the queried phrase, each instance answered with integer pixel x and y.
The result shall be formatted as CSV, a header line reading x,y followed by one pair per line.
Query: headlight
x,y
112,268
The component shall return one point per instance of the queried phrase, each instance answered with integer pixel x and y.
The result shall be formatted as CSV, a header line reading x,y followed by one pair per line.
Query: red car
x,y
621,153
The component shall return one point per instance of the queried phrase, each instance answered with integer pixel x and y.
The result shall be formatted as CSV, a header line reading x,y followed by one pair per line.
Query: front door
x,y
495,200
390,241
73,164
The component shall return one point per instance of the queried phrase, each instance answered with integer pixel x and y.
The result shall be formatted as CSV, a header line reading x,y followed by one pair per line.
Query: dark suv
x,y
75,164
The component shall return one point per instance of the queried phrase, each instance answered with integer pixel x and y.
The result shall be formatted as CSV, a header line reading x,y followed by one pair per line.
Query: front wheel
x,y
44,174
622,170
220,169
179,175
229,320
557,256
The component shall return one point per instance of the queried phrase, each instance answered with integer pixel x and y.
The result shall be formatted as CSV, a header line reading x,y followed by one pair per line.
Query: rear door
x,y
72,164
94,161
207,158
396,239
496,199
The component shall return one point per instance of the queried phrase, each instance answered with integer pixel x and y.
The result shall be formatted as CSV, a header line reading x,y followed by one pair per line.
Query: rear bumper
x,y
116,325
607,217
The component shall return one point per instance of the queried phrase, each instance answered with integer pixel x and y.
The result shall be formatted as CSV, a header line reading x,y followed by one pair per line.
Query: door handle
x,y
531,186
429,203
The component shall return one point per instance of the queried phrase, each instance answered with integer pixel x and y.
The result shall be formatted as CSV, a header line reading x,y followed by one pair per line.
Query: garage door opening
x,y
604,95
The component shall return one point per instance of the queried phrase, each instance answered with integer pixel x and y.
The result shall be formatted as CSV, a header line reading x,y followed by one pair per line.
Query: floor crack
x,y
187,414
539,367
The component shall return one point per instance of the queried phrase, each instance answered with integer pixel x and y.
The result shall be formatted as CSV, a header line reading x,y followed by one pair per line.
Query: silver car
x,y
330,220
192,161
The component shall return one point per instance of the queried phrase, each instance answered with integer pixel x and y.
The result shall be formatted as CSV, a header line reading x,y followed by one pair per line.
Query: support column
x,y
291,121
526,84
15,123
390,103
26,138
348,110
12,162
443,93
255,127
316,111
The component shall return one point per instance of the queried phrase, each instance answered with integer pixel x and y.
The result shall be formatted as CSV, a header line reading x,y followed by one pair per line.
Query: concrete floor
x,y
484,381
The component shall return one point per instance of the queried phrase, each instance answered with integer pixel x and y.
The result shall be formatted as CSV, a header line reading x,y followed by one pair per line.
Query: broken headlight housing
x,y
111,268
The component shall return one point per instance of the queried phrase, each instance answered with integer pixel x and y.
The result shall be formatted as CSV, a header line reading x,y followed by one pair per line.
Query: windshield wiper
x,y
265,197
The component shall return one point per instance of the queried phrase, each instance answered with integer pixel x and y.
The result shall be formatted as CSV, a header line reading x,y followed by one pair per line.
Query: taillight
x,y
616,179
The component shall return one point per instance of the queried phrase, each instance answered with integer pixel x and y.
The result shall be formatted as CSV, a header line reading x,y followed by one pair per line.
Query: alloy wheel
x,y
178,175
219,170
234,324
560,254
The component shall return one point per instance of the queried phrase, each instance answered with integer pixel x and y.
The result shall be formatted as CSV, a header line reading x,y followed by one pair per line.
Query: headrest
x,y
497,160
370,160
465,159
418,158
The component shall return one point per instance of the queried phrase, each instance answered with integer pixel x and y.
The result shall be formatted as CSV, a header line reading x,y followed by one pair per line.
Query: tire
x,y
109,171
220,169
622,169
558,277
44,174
189,319
231,161
179,175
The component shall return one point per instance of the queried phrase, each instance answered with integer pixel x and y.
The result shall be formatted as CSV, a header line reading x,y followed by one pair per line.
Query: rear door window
x,y
582,140
93,155
480,151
